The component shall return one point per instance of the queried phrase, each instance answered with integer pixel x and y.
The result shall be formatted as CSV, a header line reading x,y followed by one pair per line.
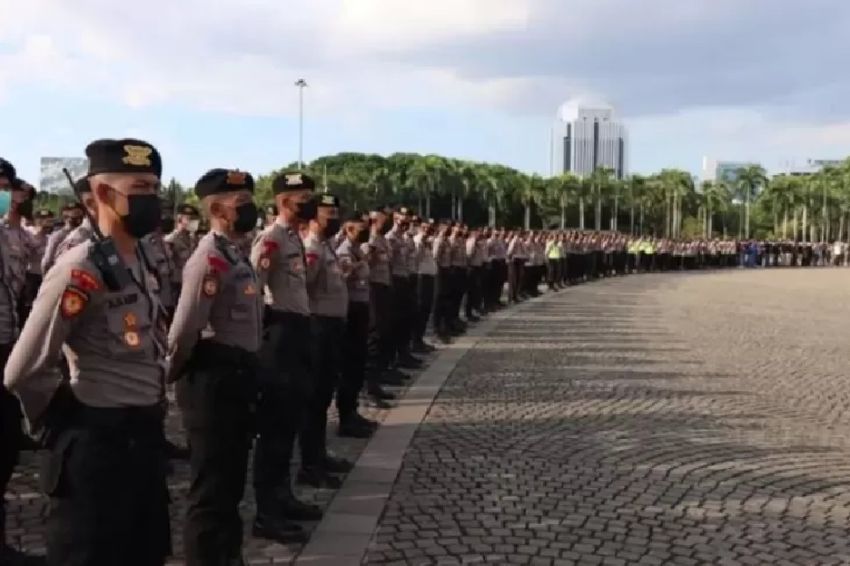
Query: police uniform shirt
x,y
12,278
39,244
425,262
278,258
410,252
114,341
442,252
379,259
180,245
220,300
326,287
458,251
158,255
475,259
354,264
52,246
398,253
77,236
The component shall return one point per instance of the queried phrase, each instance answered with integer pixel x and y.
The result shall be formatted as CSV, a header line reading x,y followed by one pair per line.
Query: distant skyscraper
x,y
726,171
586,136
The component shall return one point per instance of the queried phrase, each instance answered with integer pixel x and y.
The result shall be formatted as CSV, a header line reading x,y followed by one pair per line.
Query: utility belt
x,y
208,353
272,316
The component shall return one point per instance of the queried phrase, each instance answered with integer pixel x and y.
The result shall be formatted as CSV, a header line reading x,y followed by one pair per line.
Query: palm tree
x,y
637,188
600,180
717,199
564,188
750,179
532,190
468,180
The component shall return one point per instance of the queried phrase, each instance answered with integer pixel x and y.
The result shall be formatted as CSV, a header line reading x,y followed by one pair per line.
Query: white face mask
x,y
193,225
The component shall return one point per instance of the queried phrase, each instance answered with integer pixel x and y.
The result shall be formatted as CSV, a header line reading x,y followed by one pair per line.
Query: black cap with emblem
x,y
188,210
218,181
328,200
271,210
294,181
123,156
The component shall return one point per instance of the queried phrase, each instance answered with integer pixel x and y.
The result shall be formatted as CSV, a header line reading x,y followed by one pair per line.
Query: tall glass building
x,y
586,136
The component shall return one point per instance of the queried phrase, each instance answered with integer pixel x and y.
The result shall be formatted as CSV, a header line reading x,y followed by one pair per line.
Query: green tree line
x,y
668,203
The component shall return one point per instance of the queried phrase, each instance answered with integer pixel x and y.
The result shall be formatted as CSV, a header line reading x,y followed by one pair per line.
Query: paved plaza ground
x,y
695,418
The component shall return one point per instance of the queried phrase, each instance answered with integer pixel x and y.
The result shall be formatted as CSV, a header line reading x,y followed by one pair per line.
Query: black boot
x,y
336,465
318,477
294,509
278,529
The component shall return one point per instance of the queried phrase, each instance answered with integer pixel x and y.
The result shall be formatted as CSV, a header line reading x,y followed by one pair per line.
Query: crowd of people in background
x,y
258,322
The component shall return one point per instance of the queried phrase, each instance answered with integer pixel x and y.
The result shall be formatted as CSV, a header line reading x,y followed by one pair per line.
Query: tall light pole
x,y
301,83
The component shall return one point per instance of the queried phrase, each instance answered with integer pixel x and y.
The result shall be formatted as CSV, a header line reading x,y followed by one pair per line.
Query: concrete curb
x,y
343,535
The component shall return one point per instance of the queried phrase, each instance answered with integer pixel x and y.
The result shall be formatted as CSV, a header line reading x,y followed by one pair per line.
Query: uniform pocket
x,y
54,464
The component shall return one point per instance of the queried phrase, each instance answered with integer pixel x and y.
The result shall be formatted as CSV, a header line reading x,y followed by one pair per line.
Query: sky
x,y
211,82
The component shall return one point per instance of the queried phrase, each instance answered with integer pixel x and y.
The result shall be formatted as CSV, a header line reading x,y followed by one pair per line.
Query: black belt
x,y
209,352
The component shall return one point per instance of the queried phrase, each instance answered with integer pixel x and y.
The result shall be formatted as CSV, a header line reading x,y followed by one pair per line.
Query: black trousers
x,y
285,384
381,300
10,439
424,304
328,333
498,278
473,286
515,278
218,397
553,275
403,312
459,290
443,304
354,344
105,475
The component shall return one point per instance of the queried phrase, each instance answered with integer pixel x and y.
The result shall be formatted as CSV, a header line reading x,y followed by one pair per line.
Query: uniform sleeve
x,y
346,260
313,254
201,284
264,253
32,371
49,252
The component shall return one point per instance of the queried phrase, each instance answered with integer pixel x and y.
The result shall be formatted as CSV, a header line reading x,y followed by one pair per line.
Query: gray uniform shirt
x,y
34,259
52,246
379,259
410,252
220,300
458,247
425,263
278,258
476,259
77,236
355,270
180,244
325,284
159,256
442,251
13,267
398,253
114,341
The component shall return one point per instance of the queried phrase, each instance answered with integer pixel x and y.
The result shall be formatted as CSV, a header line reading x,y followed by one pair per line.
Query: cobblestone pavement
x,y
27,507
657,419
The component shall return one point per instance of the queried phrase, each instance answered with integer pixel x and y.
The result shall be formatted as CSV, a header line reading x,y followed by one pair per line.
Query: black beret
x,y
82,185
327,199
43,213
355,216
271,210
72,206
18,184
218,181
7,170
123,156
292,181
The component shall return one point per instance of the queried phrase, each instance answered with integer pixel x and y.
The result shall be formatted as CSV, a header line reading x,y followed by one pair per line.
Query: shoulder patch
x,y
84,280
312,257
217,264
73,302
270,246
210,286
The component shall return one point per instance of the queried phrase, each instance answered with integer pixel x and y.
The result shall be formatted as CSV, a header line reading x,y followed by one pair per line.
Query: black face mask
x,y
386,228
306,211
144,215
362,236
331,228
246,217
167,224
75,221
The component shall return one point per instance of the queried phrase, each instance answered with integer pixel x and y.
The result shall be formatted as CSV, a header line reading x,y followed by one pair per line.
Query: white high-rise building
x,y
586,136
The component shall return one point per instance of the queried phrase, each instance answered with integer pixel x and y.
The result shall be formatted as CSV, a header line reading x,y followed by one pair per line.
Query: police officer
x,y
81,233
285,379
442,252
104,468
181,242
10,416
328,295
380,285
457,242
72,217
23,245
426,273
40,231
402,307
213,344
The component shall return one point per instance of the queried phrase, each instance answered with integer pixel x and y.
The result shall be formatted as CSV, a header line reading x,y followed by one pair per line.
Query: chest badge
x,y
131,334
250,289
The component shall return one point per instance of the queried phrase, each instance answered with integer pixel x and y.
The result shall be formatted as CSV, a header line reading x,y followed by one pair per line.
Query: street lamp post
x,y
301,83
